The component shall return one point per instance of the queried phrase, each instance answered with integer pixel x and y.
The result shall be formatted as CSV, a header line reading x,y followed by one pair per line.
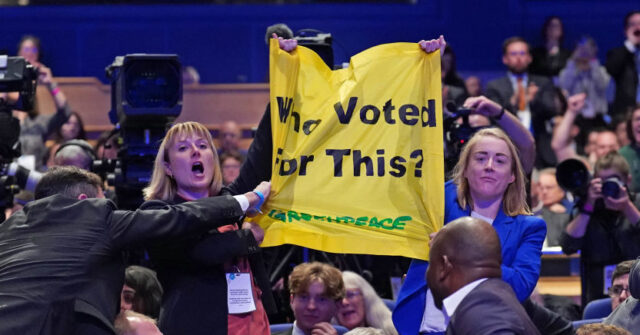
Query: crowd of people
x,y
70,261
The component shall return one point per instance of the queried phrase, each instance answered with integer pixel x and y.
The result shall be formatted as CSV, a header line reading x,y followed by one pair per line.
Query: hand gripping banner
x,y
357,152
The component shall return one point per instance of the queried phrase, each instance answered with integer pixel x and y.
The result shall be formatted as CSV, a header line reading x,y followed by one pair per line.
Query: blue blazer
x,y
521,239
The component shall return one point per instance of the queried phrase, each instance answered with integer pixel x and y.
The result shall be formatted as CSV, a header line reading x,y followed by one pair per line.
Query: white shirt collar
x,y
296,330
514,78
451,302
630,46
482,217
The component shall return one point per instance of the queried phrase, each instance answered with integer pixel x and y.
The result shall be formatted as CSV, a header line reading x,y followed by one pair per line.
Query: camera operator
x,y
606,228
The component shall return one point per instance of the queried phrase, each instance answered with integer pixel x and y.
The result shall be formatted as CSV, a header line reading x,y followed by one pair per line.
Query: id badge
x,y
240,293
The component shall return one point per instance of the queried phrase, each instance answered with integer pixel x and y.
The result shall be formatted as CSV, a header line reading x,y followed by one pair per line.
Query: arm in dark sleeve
x,y
548,322
55,121
615,62
570,245
493,93
222,247
543,102
157,221
257,167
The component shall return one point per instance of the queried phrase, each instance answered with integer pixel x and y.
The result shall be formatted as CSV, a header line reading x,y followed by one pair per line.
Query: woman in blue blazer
x,y
488,183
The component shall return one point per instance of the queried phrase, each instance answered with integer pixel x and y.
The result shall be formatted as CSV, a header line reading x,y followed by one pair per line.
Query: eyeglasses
x,y
616,291
352,295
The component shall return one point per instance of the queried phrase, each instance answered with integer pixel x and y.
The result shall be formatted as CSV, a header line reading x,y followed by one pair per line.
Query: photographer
x,y
606,227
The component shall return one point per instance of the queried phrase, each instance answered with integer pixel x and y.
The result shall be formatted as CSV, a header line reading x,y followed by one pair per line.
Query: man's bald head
x,y
470,242
463,251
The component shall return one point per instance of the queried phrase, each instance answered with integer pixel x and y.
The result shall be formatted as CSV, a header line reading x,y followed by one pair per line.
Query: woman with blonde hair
x,y
488,183
362,307
195,271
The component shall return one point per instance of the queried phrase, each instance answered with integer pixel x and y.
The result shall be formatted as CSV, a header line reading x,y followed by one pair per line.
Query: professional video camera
x,y
317,41
146,97
456,134
16,75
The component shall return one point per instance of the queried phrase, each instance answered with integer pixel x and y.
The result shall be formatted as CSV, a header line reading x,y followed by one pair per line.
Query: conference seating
x,y
600,308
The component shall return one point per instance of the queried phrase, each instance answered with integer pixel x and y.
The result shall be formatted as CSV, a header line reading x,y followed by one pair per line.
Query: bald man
x,y
464,277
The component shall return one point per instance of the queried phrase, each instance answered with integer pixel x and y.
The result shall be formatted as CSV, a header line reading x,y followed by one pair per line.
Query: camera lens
x,y
611,188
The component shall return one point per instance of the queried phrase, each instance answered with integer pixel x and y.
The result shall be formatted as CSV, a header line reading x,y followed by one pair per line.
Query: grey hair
x,y
365,331
377,315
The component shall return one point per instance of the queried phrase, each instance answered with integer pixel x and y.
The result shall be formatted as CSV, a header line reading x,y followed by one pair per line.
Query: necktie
x,y
521,101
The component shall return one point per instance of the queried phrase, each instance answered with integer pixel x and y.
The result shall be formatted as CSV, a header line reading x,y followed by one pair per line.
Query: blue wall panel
x,y
226,43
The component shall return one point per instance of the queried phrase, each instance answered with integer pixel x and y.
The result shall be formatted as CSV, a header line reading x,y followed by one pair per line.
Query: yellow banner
x,y
357,152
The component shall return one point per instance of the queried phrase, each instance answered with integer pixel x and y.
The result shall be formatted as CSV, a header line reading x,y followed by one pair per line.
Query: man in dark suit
x,y
53,247
530,97
464,277
623,65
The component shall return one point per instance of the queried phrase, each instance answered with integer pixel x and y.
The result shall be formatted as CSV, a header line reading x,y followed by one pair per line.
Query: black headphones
x,y
84,145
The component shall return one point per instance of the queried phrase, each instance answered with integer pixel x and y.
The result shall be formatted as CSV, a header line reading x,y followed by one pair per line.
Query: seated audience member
x,y
584,74
76,153
606,142
619,125
69,239
605,229
230,136
107,145
601,329
133,323
141,291
465,278
230,162
73,129
631,152
362,307
619,290
531,98
474,86
553,211
316,291
551,57
627,313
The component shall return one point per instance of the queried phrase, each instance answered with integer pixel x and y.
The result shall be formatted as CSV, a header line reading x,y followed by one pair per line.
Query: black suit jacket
x,y
622,67
491,308
51,248
192,274
542,109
